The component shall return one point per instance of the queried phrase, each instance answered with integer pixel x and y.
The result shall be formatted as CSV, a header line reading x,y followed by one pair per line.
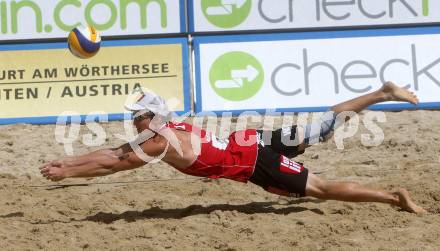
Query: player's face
x,y
142,125
141,122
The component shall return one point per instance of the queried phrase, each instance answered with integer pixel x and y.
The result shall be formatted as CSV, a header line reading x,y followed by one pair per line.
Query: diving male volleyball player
x,y
245,156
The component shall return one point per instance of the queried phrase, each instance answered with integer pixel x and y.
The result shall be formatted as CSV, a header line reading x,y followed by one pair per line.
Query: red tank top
x,y
233,158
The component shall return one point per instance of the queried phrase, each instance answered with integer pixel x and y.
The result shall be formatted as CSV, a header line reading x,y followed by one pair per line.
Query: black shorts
x,y
275,171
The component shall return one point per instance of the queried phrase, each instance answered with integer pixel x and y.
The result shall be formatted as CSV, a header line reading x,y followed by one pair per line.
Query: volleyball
x,y
84,42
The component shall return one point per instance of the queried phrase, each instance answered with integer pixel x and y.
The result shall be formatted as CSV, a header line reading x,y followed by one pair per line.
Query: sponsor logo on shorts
x,y
290,166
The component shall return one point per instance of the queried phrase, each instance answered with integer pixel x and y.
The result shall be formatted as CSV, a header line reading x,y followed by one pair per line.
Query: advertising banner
x,y
314,70
41,81
32,19
251,15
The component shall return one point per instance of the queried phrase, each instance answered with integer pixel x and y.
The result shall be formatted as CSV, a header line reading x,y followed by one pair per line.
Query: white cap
x,y
150,102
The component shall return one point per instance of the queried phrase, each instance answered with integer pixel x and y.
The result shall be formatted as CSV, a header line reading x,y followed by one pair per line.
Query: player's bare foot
x,y
407,204
394,93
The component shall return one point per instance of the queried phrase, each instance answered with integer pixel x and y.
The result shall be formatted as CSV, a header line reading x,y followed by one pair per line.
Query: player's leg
x,y
278,174
293,140
322,129
354,192
388,92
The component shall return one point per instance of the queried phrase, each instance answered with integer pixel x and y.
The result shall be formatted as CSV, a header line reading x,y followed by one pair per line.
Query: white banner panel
x,y
312,71
234,15
32,19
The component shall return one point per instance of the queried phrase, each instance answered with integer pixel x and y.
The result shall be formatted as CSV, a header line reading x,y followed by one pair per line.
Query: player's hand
x,y
53,173
58,163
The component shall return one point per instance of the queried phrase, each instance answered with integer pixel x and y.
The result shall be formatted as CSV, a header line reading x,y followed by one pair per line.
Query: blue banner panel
x,y
39,82
311,71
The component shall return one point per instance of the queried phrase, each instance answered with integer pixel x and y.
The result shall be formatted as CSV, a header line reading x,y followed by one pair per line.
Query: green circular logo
x,y
236,76
226,13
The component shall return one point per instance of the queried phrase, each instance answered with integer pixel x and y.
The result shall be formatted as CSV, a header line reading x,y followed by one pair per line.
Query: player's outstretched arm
x,y
99,163
70,161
